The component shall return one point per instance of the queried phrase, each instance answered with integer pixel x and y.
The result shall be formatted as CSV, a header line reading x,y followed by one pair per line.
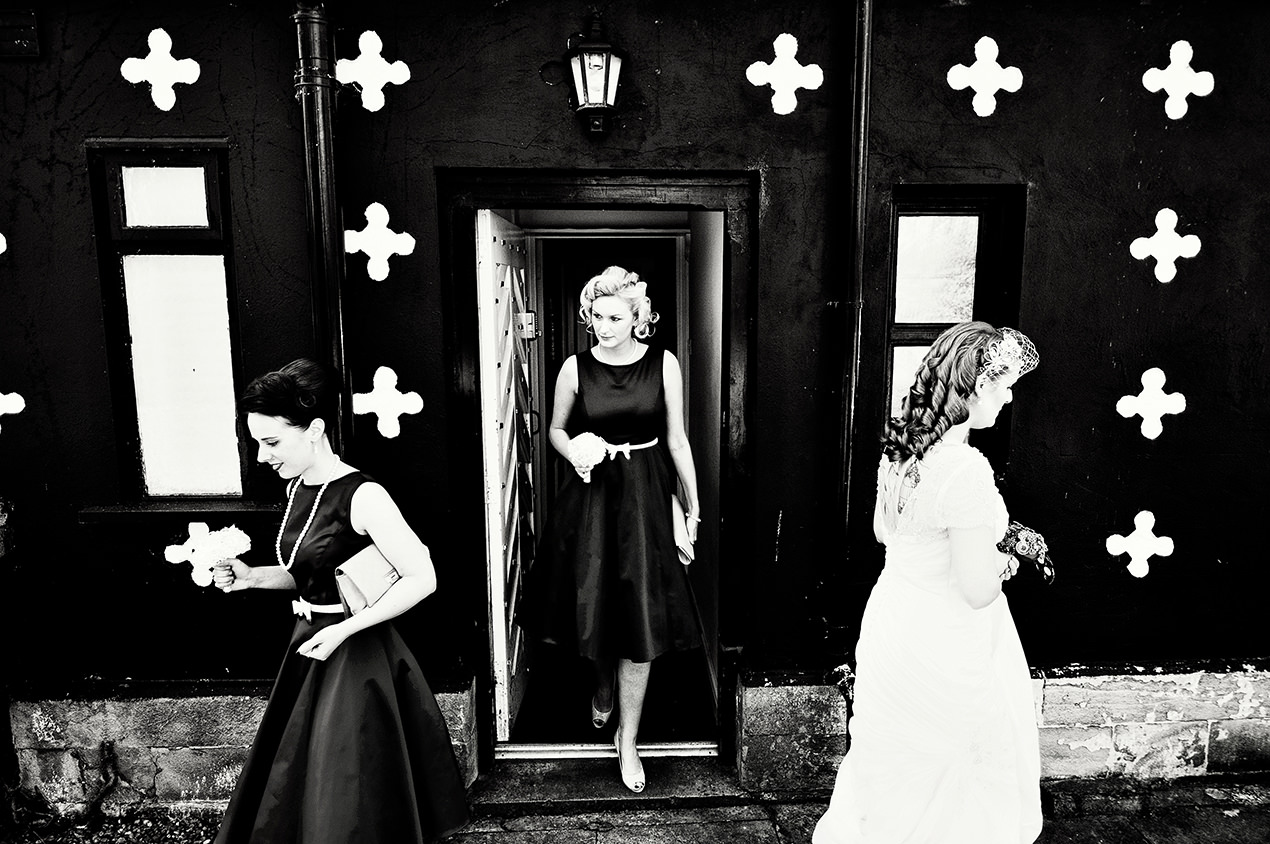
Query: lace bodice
x,y
953,488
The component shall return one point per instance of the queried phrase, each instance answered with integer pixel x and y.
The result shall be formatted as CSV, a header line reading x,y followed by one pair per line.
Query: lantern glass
x,y
594,75
615,70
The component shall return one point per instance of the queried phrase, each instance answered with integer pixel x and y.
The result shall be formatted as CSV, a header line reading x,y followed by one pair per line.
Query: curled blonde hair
x,y
626,286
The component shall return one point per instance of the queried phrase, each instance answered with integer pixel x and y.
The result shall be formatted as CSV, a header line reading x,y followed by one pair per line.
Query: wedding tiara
x,y
1010,354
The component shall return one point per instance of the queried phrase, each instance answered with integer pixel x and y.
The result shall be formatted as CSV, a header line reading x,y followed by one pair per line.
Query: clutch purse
x,y
363,579
682,543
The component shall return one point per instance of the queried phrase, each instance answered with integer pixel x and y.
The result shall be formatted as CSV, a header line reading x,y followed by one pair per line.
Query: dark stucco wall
x,y
475,100
1099,158
99,599
1094,149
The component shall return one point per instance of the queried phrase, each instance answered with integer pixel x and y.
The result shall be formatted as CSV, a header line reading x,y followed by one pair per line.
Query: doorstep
x,y
514,787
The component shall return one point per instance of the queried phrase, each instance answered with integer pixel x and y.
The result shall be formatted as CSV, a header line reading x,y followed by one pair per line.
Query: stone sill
x,y
186,507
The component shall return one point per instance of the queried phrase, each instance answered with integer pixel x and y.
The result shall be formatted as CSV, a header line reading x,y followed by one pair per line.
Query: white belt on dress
x,y
304,608
626,448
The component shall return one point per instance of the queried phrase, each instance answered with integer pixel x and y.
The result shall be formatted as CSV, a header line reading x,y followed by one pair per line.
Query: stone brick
x,y
1163,750
785,710
1154,698
791,762
459,711
197,773
59,723
1078,752
53,774
465,755
1239,745
208,721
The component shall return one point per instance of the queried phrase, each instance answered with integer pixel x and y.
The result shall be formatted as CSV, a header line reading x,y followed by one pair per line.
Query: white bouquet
x,y
205,548
585,450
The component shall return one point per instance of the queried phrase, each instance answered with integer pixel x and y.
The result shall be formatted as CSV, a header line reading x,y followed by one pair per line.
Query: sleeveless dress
x,y
352,749
607,580
943,729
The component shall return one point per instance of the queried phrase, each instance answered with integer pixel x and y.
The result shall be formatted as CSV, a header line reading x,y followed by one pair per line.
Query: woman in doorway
x,y
352,746
943,731
608,580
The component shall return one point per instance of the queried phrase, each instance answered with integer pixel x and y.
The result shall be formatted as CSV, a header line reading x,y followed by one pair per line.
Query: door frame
x,y
461,191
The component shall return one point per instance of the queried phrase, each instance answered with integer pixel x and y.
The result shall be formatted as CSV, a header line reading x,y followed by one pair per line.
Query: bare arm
x,y
234,575
562,405
677,440
373,512
879,521
977,564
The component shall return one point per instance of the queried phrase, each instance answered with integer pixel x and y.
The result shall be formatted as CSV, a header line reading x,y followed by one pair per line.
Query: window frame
x,y
106,160
1002,214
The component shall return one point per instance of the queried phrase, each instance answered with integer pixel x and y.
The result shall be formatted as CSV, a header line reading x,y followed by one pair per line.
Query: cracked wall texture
x,y
162,750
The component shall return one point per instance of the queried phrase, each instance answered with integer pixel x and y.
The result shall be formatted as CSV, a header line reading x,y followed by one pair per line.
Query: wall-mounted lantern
x,y
596,67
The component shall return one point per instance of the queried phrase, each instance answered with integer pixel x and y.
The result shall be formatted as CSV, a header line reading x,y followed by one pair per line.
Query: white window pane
x,y
904,363
935,268
178,315
164,197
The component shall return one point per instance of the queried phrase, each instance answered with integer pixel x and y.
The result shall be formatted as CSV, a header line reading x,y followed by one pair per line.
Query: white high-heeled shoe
x,y
634,779
598,717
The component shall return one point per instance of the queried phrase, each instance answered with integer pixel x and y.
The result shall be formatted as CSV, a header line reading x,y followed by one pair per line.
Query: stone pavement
x,y
693,800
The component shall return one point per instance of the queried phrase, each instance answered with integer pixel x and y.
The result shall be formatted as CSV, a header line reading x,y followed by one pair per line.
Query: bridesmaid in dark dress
x,y
608,580
352,746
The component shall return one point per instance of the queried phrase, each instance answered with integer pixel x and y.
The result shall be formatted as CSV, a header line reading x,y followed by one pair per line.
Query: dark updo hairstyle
x,y
941,390
299,392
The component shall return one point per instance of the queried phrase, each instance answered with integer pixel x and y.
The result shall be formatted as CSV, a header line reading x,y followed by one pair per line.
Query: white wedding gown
x,y
943,730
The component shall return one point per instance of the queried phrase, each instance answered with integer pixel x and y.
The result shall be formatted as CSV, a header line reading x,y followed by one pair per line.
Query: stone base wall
x,y
1144,725
790,737
1156,724
123,752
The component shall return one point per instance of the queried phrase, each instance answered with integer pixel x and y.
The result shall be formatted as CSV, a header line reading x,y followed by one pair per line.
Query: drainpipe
x,y
315,89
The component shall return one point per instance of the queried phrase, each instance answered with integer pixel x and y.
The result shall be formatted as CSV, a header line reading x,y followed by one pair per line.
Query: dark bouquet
x,y
1026,544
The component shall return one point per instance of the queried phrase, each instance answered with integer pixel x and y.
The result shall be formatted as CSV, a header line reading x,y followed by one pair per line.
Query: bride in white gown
x,y
943,730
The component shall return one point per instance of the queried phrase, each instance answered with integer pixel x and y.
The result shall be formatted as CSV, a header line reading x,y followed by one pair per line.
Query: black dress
x,y
607,580
352,749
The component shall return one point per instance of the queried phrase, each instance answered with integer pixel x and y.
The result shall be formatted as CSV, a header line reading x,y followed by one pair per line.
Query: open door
x,y
506,366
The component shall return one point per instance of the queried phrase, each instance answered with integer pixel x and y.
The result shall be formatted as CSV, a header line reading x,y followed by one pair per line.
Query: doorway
x,y
531,265
531,260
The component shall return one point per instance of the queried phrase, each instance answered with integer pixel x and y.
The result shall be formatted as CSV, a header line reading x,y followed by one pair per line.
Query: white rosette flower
x,y
205,548
585,450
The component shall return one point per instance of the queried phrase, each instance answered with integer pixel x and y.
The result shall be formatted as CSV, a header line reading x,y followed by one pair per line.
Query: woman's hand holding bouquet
x,y
585,450
1025,544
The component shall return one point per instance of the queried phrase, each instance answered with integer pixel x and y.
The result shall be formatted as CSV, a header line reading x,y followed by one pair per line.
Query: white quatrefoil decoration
x,y
785,75
985,76
4,244
387,402
1179,80
1152,403
160,70
378,241
11,403
370,72
1166,246
1140,545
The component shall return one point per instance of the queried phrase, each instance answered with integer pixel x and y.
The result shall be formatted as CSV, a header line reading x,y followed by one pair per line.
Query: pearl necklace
x,y
277,545
630,357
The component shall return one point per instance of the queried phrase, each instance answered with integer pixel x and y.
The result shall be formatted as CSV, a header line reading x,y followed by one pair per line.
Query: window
x,y
164,252
957,255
